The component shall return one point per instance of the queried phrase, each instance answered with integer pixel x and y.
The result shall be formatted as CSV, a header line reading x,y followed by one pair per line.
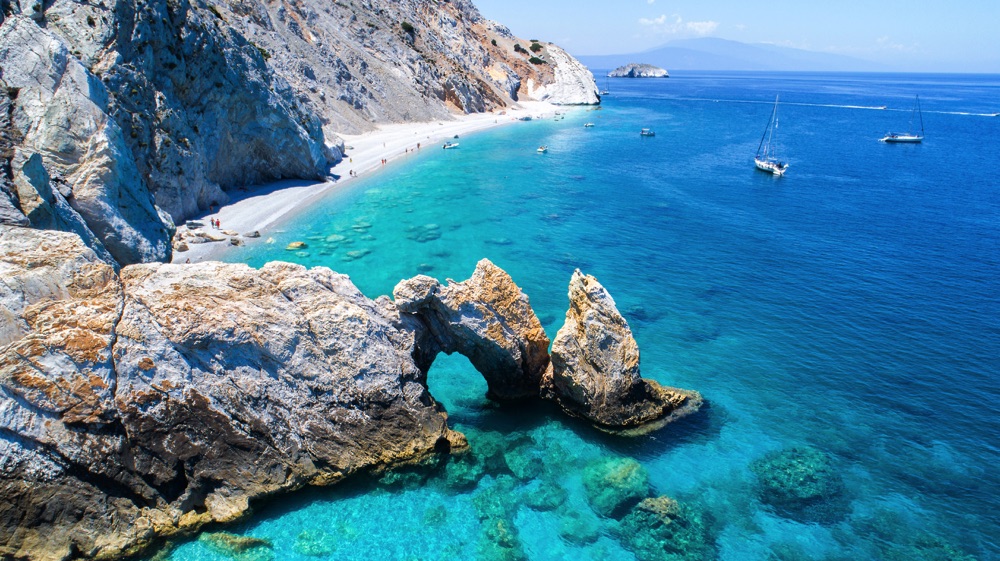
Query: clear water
x,y
852,306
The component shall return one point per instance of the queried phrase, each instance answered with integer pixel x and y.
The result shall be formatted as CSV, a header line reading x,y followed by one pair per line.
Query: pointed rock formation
x,y
489,320
595,368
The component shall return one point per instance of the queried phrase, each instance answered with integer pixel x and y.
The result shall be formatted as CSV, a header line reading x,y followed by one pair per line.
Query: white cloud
x,y
675,25
650,1
655,21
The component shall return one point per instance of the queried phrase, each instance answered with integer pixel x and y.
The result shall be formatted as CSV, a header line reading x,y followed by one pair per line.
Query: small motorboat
x,y
542,149
647,132
588,125
449,145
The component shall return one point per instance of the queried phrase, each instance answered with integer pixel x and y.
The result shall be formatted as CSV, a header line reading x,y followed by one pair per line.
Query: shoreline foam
x,y
255,209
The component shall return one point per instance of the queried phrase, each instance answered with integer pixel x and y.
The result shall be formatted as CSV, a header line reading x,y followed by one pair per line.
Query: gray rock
x,y
61,112
594,372
44,205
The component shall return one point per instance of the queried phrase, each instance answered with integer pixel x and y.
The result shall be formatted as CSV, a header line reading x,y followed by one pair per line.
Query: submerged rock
x,y
239,548
614,485
801,483
579,528
594,372
315,543
661,529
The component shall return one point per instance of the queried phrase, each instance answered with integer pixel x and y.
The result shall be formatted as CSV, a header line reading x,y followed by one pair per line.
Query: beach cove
x,y
257,208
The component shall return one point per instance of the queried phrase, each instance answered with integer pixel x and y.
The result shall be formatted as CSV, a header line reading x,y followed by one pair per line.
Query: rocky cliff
x,y
146,404
146,113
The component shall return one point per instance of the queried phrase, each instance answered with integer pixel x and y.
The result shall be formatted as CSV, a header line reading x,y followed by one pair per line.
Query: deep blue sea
x,y
850,309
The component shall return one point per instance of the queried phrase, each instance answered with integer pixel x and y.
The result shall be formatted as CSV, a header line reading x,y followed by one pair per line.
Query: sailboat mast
x,y
921,113
767,129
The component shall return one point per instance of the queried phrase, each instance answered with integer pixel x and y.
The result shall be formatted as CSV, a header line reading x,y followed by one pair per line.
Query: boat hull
x,y
774,168
902,139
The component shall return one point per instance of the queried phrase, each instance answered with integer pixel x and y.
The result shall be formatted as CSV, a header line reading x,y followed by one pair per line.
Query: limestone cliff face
x,y
363,62
146,112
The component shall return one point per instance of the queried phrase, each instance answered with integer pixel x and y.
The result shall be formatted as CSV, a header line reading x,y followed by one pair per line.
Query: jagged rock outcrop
x,y
147,403
488,319
636,70
595,368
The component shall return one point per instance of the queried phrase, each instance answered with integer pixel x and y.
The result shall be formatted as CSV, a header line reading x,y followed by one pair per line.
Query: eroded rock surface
x,y
139,405
488,319
138,408
595,368
61,114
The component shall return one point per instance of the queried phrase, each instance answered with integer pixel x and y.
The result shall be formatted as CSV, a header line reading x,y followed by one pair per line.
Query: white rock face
x,y
573,83
61,112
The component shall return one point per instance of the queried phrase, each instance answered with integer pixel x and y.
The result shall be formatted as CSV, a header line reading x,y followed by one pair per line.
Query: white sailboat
x,y
765,159
908,137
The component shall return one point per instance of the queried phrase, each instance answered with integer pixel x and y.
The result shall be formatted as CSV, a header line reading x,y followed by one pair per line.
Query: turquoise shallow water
x,y
850,307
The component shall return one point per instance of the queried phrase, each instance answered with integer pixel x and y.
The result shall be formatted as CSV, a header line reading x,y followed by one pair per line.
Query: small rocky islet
x,y
638,70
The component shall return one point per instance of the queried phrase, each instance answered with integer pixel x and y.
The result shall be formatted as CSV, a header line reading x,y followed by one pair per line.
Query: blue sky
x,y
917,35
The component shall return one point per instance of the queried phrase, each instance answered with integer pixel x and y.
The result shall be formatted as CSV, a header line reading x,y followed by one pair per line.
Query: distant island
x,y
712,53
635,70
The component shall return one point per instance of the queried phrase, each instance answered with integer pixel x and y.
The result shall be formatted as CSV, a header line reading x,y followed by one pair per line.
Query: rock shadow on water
x,y
701,427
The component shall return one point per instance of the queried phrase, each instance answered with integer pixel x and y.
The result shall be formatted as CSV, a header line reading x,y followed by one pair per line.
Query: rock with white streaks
x,y
573,84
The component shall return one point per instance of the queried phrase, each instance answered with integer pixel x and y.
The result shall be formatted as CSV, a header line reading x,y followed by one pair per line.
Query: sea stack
x,y
595,368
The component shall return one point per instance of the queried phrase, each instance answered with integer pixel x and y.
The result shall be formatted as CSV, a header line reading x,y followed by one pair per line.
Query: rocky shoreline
x,y
145,404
